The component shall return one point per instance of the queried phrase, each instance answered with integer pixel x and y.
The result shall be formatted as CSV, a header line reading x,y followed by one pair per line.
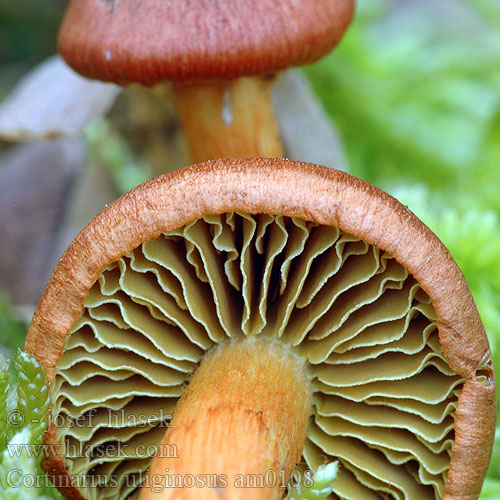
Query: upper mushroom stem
x,y
149,41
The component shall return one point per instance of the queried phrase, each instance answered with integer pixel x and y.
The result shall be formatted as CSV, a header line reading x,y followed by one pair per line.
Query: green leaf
x,y
23,417
4,393
315,487
17,464
33,397
21,478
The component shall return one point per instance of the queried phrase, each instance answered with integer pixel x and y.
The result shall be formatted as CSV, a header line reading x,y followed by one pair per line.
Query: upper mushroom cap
x,y
149,41
322,196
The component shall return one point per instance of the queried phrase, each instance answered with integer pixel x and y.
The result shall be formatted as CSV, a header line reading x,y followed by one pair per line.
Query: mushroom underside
x,y
384,396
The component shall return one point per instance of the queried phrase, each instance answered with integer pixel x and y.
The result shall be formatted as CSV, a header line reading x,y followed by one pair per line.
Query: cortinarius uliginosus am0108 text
x,y
283,313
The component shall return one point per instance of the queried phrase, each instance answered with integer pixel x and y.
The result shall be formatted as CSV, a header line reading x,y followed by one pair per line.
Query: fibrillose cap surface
x,y
149,41
317,194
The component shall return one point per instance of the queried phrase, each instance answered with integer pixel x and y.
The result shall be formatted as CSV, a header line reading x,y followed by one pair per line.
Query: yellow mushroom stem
x,y
239,428
229,119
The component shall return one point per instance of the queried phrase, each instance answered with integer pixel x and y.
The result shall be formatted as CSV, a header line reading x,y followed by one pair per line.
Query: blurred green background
x,y
414,89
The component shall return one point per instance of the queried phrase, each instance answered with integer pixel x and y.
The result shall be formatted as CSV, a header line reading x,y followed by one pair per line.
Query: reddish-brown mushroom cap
x,y
311,193
199,46
149,41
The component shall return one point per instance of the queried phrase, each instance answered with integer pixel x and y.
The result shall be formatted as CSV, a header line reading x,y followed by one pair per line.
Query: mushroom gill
x,y
383,394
